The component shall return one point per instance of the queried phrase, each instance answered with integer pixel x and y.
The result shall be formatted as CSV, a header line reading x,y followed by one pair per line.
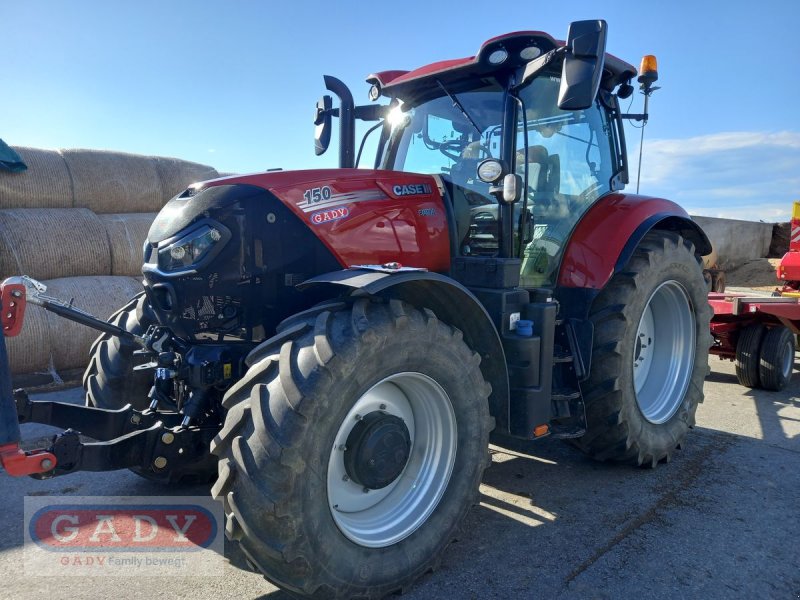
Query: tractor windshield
x,y
571,160
437,137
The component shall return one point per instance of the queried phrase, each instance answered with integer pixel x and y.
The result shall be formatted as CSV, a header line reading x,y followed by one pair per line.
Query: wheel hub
x,y
377,450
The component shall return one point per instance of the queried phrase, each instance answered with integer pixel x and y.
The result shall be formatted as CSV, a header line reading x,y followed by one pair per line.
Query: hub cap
x,y
377,450
391,460
663,356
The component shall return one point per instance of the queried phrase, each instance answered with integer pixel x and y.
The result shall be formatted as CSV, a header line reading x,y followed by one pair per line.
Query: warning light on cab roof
x,y
648,70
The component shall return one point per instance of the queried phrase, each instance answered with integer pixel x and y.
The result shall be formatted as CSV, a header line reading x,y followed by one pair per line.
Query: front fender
x,y
609,232
452,303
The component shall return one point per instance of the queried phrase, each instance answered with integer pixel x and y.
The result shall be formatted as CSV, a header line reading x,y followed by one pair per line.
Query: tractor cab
x,y
518,108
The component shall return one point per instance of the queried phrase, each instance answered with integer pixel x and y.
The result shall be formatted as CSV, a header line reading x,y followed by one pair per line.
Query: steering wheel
x,y
452,149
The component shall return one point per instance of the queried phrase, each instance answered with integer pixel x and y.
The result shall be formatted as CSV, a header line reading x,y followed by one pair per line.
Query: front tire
x,y
109,380
650,354
353,449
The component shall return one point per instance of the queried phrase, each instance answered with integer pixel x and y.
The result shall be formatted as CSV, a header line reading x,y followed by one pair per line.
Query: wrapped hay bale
x,y
29,352
114,182
46,243
99,296
46,183
126,236
176,175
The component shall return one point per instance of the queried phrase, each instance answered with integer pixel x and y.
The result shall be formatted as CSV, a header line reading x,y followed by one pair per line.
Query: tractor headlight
x,y
189,250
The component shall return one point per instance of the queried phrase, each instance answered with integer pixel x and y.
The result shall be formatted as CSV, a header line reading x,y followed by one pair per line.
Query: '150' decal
x,y
326,216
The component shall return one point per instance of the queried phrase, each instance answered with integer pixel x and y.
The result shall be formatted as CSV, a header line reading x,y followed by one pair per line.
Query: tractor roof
x,y
532,43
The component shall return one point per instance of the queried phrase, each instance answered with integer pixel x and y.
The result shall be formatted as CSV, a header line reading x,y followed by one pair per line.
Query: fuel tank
x,y
222,259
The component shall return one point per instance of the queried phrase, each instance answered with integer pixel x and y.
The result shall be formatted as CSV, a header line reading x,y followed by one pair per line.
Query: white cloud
x,y
752,175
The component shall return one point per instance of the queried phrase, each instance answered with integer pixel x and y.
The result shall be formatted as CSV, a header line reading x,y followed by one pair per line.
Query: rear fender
x,y
606,237
603,243
451,302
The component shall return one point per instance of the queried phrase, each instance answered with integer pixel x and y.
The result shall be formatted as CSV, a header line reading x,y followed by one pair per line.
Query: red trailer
x,y
758,334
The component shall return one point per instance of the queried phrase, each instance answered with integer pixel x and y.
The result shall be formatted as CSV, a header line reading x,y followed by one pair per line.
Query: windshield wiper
x,y
460,107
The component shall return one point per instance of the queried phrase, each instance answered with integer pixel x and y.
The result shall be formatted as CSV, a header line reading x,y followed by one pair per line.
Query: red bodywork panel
x,y
391,78
513,42
600,236
788,271
366,216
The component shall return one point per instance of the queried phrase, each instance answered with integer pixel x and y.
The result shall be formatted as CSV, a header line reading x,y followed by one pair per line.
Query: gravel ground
x,y
720,521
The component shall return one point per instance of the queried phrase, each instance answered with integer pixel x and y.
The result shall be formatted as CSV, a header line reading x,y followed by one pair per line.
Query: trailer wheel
x,y
650,354
777,358
110,382
353,449
748,348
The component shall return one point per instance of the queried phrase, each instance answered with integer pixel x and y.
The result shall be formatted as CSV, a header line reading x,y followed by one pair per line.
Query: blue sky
x,y
233,84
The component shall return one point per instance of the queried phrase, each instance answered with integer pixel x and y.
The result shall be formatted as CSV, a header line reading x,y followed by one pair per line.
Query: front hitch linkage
x,y
126,438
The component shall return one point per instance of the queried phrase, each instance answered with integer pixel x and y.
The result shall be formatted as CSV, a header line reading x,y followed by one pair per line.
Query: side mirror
x,y
322,120
583,64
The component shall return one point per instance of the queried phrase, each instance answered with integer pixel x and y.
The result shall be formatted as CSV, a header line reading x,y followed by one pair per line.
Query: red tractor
x,y
335,347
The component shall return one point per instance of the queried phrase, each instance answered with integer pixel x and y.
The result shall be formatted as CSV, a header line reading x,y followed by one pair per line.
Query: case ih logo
x,y
413,189
123,536
79,527
326,216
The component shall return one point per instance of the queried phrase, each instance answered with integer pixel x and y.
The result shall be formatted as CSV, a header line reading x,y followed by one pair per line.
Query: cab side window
x,y
569,166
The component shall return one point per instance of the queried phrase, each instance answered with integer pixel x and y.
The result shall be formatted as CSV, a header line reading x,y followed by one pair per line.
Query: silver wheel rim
x,y
664,350
379,518
788,359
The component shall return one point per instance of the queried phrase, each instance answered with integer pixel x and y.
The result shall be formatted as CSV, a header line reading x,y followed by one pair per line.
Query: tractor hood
x,y
364,216
224,257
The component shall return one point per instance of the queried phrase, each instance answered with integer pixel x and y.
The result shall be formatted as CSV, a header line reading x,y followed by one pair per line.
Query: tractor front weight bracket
x,y
126,438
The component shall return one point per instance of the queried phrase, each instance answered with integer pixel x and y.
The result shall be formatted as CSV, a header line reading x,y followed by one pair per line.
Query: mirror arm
x,y
537,65
635,116
371,112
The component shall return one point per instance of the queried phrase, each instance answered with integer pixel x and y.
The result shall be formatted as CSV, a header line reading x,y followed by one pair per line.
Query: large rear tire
x,y
110,382
650,354
353,449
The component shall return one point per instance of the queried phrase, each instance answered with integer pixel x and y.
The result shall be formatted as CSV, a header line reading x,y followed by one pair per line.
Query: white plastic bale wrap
x,y
114,182
47,243
176,175
99,296
126,235
46,183
48,341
